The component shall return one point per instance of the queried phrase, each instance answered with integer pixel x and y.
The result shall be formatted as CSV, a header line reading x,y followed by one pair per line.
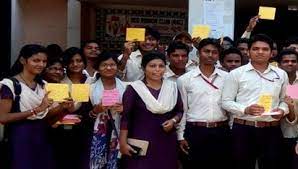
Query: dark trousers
x,y
288,152
209,147
250,144
295,162
184,162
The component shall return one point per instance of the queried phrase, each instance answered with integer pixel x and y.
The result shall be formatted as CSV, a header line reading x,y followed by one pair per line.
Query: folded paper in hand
x,y
143,144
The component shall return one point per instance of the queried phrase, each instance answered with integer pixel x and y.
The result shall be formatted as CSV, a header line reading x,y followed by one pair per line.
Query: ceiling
x,y
159,3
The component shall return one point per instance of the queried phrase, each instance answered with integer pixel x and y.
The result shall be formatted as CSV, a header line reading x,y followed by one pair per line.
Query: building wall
x,y
45,21
38,21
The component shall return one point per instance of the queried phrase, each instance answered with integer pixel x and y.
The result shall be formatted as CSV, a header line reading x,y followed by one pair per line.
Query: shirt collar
x,y
136,54
197,72
169,72
249,67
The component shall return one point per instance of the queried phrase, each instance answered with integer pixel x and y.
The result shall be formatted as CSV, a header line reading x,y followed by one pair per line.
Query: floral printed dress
x,y
104,146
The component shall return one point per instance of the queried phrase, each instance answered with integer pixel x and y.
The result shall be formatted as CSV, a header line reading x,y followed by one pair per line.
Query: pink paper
x,y
292,91
110,97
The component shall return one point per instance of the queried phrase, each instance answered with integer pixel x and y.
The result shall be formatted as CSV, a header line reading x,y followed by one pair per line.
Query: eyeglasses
x,y
104,66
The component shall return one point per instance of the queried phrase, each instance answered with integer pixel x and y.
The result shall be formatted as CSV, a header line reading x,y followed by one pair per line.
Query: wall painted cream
x,y
45,21
38,21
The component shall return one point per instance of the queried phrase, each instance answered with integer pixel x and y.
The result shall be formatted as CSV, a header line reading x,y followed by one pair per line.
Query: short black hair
x,y
69,53
290,41
181,35
177,45
229,51
52,61
54,51
151,56
261,38
226,38
153,32
103,56
85,43
242,40
286,52
209,41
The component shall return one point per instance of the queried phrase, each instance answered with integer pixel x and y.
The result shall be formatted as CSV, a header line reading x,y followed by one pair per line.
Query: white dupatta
x,y
29,99
96,91
167,97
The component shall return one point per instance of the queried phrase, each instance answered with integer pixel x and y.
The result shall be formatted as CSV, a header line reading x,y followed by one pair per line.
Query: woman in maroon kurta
x,y
157,128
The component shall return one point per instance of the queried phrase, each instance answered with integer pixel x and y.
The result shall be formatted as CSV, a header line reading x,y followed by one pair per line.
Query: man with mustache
x,y
287,60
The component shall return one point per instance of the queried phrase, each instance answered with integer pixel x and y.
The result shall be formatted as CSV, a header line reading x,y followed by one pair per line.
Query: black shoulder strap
x,y
17,90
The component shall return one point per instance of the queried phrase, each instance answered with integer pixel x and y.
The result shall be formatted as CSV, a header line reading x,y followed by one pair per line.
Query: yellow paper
x,y
80,92
201,31
274,64
135,34
58,92
267,12
265,100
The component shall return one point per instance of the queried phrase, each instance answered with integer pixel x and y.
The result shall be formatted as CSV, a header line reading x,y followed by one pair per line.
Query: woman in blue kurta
x,y
25,116
151,109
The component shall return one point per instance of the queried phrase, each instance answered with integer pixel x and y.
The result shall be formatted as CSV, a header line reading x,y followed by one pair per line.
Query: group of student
x,y
192,113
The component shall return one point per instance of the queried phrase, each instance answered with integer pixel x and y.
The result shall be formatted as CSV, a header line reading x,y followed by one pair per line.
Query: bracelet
x,y
33,112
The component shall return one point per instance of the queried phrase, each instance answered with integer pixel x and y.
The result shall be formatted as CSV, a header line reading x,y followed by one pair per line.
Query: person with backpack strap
x,y
25,107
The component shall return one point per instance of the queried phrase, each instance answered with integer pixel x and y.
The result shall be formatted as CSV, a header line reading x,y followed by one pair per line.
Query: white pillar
x,y
73,23
17,29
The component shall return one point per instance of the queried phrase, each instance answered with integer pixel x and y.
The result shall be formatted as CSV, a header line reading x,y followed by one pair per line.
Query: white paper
x,y
271,113
216,14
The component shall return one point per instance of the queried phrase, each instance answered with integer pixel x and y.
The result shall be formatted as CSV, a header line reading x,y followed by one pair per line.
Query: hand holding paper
x,y
60,92
267,12
117,107
135,34
255,110
265,100
277,113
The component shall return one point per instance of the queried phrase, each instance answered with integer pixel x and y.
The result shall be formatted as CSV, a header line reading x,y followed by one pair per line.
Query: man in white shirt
x,y
242,45
230,59
249,91
91,50
203,132
287,60
130,68
186,38
180,63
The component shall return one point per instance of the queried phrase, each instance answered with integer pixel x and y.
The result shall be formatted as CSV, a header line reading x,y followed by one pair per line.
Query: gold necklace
x,y
27,84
